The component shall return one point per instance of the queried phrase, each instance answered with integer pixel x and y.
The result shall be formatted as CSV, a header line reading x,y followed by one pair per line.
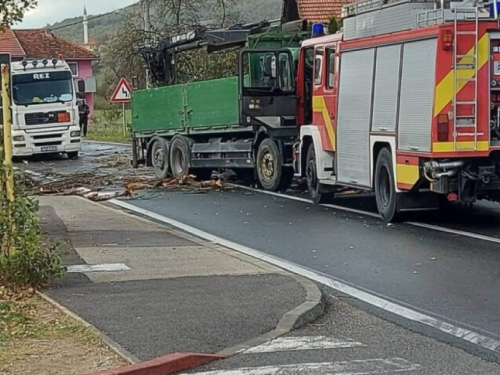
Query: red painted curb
x,y
169,364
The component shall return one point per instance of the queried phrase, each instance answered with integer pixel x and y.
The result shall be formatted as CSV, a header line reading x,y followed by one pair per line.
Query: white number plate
x,y
49,148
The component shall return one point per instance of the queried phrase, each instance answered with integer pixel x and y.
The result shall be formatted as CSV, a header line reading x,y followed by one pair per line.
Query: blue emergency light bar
x,y
318,29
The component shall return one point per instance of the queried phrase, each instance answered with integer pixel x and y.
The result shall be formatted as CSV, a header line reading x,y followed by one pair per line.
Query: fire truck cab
x,y
404,102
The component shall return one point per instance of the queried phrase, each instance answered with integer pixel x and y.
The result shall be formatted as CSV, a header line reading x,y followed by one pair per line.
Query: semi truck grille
x,y
40,144
46,136
41,118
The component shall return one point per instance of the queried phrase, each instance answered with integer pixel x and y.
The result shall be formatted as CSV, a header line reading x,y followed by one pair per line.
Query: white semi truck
x,y
45,117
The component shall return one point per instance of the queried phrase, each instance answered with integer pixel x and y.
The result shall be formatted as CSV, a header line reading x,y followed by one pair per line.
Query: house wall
x,y
85,71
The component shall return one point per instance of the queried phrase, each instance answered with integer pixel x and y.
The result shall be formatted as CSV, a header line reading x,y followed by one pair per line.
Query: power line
x,y
89,19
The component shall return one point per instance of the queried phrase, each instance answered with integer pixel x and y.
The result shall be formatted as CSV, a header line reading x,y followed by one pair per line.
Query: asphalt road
x,y
448,276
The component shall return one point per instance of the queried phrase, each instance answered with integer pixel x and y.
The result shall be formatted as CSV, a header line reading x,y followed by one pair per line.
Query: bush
x,y
25,260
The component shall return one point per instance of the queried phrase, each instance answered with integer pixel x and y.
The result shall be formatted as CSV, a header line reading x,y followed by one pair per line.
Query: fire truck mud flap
x,y
422,201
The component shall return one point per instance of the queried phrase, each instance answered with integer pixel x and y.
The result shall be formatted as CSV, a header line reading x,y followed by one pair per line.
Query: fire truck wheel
x,y
272,175
180,157
313,184
159,158
385,187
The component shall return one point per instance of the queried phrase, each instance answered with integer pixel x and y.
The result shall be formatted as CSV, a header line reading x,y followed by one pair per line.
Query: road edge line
x,y
467,336
112,344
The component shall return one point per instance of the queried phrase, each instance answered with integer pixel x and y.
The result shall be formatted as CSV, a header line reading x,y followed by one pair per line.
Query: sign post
x,y
122,94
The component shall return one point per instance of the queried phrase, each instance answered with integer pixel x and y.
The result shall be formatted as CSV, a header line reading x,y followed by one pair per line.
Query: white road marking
x,y
286,344
305,200
84,268
371,214
358,367
455,231
365,296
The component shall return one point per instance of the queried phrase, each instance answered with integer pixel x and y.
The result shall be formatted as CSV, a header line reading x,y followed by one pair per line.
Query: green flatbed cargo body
x,y
187,108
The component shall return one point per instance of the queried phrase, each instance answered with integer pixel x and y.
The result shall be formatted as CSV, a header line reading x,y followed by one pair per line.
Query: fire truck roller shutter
x,y
354,115
385,100
417,95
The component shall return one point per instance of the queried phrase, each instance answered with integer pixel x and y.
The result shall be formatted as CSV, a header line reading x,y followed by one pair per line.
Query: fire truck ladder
x,y
465,71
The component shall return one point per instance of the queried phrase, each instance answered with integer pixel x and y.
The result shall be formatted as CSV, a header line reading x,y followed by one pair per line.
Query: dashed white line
x,y
287,344
372,299
85,268
357,367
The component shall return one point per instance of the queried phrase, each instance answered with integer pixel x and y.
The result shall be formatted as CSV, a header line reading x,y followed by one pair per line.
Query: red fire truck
x,y
404,103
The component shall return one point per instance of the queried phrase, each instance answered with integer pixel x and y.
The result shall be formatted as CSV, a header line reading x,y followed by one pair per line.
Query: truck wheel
x,y
272,175
73,155
385,187
313,184
180,156
159,158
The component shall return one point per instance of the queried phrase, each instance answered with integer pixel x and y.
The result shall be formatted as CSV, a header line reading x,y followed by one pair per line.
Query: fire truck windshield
x,y
39,88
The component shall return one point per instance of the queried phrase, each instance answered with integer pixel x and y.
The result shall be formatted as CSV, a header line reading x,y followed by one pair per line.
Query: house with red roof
x,y
37,44
315,10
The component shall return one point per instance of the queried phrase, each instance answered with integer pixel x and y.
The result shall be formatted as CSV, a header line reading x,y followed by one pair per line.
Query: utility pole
x,y
146,6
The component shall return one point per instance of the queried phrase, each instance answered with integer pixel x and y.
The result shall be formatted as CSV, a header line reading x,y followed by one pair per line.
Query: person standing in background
x,y
84,112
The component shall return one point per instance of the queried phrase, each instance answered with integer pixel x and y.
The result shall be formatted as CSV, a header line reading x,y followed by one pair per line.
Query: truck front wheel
x,y
272,175
385,187
72,155
313,184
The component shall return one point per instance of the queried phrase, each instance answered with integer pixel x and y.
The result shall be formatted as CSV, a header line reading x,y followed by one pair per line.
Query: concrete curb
x,y
311,309
117,348
169,364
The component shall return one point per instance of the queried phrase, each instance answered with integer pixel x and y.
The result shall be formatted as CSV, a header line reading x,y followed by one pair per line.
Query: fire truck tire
x,y
313,184
160,158
385,187
180,157
272,175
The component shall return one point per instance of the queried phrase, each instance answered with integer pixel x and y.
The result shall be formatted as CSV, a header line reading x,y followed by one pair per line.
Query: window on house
x,y
318,64
74,68
330,66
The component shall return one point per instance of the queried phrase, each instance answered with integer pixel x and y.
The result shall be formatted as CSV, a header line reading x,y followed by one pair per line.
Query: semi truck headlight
x,y
76,133
18,138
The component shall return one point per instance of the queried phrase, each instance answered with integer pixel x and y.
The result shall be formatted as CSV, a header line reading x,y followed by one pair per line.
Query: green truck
x,y
246,123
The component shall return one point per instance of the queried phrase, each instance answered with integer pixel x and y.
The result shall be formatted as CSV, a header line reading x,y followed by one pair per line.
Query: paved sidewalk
x,y
155,290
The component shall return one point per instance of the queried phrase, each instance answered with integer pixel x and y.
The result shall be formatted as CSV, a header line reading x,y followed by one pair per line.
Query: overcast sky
x,y
50,11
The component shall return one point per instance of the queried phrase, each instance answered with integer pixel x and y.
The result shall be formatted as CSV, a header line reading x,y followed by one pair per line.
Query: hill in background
x,y
103,28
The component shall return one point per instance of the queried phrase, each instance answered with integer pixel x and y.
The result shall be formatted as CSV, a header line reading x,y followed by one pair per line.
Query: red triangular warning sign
x,y
123,92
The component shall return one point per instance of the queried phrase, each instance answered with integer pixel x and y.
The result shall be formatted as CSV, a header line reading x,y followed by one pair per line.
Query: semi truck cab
x,y
44,108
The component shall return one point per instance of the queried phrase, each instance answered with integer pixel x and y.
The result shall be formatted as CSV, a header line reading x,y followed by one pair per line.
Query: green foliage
x,y
12,11
334,25
25,260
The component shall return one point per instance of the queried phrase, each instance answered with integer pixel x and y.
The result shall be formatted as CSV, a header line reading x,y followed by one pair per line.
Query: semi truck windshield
x,y
39,88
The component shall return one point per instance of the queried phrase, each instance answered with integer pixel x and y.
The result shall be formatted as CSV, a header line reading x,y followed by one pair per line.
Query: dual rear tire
x,y
175,158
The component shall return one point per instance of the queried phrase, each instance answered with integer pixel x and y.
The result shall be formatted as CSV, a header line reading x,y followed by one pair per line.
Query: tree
x,y
120,58
334,25
12,11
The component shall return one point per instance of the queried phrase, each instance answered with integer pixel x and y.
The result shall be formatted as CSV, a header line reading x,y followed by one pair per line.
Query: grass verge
x,y
109,128
37,338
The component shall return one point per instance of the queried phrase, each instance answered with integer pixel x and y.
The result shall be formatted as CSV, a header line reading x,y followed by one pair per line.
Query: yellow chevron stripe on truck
x,y
319,106
444,90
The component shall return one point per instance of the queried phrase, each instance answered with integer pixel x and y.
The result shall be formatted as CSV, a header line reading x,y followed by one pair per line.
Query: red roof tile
x,y
10,44
40,43
321,10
